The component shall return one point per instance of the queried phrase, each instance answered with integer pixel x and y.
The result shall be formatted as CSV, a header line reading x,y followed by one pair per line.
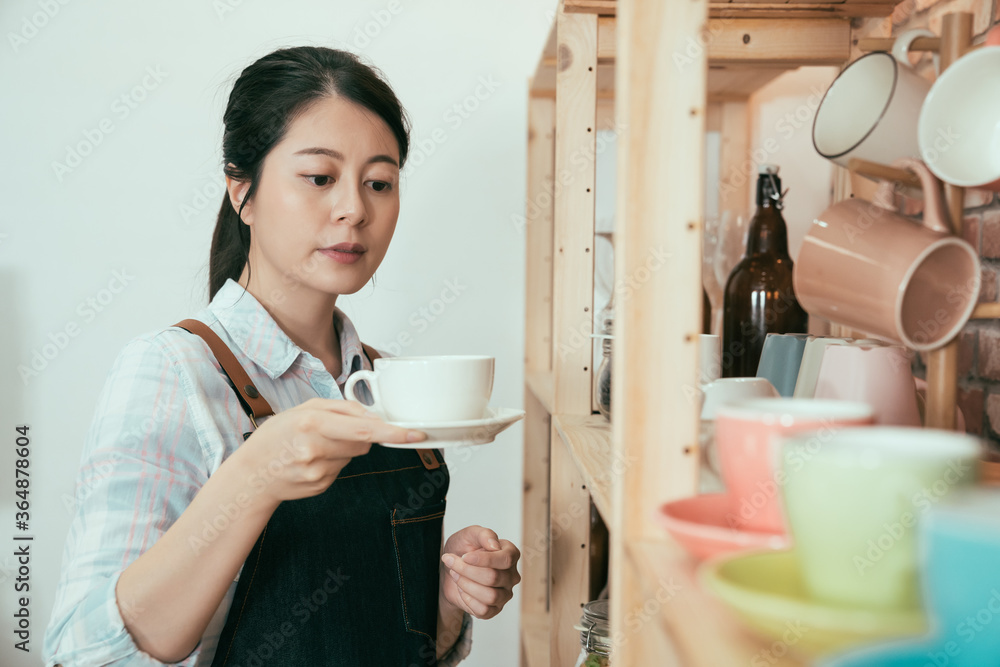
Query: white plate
x,y
454,434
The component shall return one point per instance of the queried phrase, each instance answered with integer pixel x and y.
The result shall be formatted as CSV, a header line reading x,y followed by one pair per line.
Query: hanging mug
x,y
959,128
871,109
873,270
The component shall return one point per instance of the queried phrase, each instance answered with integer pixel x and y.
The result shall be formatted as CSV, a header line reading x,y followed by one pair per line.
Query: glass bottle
x,y
706,312
759,298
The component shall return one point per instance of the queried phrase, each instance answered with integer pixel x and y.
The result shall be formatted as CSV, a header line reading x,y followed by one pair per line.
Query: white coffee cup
x,y
717,394
709,359
428,389
871,109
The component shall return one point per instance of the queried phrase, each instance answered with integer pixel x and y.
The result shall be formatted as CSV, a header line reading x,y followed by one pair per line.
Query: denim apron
x,y
348,577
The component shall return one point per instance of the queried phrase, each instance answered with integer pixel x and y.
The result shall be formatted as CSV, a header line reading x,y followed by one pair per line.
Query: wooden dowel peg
x,y
869,44
986,311
882,172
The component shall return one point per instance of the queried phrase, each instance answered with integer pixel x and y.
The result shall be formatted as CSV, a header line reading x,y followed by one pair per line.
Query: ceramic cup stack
x,y
747,513
855,500
713,393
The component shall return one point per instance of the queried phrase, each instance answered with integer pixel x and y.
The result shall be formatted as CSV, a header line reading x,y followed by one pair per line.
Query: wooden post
x,y
538,359
660,110
572,320
942,364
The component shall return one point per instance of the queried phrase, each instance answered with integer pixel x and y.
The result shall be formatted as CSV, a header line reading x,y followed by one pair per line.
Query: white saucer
x,y
454,434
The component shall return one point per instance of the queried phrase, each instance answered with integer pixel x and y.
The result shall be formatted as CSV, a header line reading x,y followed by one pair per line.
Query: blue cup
x,y
960,545
780,359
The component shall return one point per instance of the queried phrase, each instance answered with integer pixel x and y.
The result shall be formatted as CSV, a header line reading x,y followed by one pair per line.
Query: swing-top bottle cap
x,y
768,169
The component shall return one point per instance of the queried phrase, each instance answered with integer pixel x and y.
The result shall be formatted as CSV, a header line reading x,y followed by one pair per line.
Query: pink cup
x,y
746,435
879,376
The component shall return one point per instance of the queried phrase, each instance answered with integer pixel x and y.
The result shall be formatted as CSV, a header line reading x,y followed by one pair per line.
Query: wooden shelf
x,y
762,8
588,439
541,385
703,632
744,53
658,68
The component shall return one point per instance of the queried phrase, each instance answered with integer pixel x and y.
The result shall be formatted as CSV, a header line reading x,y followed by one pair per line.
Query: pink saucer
x,y
699,525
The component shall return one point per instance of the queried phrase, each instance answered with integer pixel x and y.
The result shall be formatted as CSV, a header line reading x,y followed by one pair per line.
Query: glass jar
x,y
602,383
595,642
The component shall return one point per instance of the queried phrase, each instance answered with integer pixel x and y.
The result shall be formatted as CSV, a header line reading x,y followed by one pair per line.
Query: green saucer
x,y
766,589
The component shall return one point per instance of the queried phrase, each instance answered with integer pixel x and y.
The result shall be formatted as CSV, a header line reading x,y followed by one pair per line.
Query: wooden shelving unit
x,y
657,74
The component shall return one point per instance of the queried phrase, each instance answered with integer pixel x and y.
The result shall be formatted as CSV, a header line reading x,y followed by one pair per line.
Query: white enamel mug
x,y
872,108
959,129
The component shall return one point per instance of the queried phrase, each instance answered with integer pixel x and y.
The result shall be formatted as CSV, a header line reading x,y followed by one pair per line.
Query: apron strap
x,y
427,456
254,404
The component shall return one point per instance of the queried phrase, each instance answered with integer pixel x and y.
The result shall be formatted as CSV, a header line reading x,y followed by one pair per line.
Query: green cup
x,y
853,502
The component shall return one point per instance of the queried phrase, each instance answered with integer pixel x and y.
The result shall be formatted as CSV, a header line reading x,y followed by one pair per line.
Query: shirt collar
x,y
260,338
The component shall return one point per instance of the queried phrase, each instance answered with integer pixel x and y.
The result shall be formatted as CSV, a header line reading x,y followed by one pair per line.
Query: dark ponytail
x,y
265,99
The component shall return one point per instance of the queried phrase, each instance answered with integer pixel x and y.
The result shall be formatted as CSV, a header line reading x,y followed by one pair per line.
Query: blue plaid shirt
x,y
165,421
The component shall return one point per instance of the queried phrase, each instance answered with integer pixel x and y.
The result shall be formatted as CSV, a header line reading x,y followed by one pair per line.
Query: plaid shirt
x,y
166,419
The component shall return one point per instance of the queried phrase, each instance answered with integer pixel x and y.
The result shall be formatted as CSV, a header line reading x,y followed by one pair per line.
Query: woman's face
x,y
332,179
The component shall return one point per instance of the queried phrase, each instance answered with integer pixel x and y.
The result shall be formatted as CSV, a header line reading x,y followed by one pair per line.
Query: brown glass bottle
x,y
706,313
759,298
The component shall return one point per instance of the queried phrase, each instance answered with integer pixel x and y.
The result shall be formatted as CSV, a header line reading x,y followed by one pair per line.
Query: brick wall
x,y
979,342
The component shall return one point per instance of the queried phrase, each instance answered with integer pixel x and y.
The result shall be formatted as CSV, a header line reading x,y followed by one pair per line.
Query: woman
x,y
201,539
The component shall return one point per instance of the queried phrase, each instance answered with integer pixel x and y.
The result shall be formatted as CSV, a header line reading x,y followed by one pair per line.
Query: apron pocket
x,y
417,538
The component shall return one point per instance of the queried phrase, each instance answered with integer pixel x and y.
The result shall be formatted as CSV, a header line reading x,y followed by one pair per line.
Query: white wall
x,y
782,114
143,202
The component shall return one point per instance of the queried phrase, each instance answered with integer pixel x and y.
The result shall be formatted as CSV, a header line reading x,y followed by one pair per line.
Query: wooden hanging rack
x,y
942,364
932,44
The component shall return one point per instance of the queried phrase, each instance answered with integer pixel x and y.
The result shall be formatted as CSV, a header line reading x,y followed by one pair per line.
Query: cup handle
x,y
901,47
936,215
358,376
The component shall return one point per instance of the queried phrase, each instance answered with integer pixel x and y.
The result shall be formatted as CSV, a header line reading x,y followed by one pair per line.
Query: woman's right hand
x,y
299,452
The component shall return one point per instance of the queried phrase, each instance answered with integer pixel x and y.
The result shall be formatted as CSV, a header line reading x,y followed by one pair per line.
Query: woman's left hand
x,y
480,571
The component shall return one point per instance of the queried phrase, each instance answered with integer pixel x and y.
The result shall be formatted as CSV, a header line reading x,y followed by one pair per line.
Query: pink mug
x,y
747,438
877,375
869,268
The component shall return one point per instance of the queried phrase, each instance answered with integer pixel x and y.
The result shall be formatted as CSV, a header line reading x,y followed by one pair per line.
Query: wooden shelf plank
x,y
791,10
743,54
542,386
703,631
588,438
757,42
761,9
